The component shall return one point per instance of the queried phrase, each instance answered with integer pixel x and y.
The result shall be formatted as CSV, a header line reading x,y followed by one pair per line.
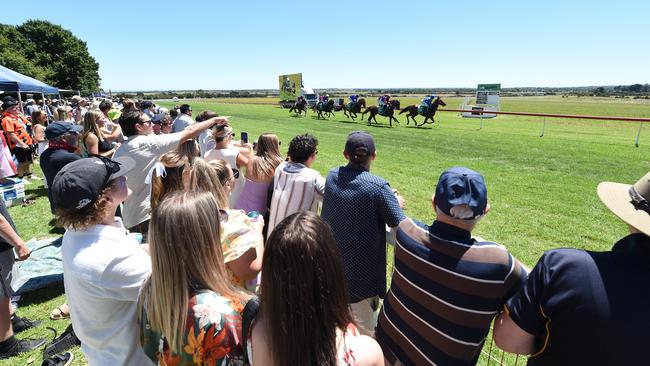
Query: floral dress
x,y
238,235
212,335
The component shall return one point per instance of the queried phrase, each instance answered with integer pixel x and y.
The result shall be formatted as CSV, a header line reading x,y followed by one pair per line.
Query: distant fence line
x,y
603,118
553,115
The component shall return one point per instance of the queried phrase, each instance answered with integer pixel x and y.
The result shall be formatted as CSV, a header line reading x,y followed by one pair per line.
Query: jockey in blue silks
x,y
428,100
353,98
383,100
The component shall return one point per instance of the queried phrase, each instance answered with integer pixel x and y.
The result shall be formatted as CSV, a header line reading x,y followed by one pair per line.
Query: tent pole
x,y
20,102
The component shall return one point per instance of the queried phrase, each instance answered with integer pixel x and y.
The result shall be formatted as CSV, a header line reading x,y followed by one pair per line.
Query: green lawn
x,y
542,191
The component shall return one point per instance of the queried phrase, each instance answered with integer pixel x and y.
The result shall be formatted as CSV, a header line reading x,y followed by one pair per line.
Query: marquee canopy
x,y
12,81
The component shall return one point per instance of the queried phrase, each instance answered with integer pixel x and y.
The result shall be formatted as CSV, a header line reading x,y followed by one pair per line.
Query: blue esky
x,y
188,44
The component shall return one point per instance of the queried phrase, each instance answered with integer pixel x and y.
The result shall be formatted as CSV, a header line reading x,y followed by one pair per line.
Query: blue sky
x,y
188,44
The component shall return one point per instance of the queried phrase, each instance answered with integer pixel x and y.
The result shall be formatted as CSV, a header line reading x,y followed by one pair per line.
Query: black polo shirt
x,y
588,308
52,161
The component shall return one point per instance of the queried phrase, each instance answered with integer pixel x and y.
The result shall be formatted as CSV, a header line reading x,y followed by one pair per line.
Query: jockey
x,y
300,99
353,98
428,100
383,100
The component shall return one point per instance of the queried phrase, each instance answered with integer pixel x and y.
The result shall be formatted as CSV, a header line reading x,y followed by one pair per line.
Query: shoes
x,y
64,342
62,312
25,181
19,324
63,359
23,345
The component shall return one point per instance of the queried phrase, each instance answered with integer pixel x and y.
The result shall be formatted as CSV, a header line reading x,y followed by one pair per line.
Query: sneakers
x,y
64,342
63,359
23,345
19,324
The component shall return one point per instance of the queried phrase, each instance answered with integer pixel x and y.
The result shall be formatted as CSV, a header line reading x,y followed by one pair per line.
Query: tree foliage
x,y
48,52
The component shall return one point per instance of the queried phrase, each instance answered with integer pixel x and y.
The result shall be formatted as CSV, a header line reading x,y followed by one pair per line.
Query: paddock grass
x,y
542,190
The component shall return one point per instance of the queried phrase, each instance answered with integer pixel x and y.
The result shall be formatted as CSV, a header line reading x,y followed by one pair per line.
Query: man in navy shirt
x,y
588,308
358,206
63,140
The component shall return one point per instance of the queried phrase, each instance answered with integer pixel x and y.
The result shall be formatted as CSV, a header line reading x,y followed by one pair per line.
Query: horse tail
x,y
406,109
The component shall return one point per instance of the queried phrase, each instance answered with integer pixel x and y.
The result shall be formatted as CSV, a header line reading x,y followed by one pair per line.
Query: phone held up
x,y
244,137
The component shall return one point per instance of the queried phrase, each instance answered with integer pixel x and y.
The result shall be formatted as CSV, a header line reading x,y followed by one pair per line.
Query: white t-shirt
x,y
181,123
103,272
145,151
206,142
230,156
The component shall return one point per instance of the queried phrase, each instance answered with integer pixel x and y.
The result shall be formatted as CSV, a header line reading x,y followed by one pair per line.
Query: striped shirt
x,y
295,188
446,289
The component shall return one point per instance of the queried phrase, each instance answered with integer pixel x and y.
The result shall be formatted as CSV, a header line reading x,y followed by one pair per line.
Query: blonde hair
x,y
90,125
211,177
175,163
187,220
62,113
267,157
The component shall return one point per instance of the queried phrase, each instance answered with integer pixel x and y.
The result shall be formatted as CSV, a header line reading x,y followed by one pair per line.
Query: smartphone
x,y
244,137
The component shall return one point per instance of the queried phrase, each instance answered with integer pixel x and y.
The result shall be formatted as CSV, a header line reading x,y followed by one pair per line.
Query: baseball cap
x,y
81,182
359,144
461,186
58,128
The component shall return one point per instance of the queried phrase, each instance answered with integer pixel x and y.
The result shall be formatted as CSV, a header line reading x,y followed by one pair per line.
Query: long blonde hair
x,y
267,157
211,177
185,251
90,123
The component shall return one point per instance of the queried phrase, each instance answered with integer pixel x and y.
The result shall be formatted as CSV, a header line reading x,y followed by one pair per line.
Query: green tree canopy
x,y
48,52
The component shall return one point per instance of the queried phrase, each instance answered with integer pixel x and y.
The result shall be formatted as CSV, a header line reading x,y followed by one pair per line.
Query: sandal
x,y
64,342
62,312
63,359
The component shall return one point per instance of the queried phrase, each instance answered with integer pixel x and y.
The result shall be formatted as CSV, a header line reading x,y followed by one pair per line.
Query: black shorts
x,y
23,155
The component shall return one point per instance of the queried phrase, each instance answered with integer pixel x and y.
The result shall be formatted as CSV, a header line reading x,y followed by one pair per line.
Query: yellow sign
x,y
290,86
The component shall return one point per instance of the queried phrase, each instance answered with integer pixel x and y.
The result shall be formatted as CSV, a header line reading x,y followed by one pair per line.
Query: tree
x,y
12,54
53,48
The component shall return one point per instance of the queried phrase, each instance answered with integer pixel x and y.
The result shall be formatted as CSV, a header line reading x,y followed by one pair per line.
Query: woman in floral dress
x,y
190,313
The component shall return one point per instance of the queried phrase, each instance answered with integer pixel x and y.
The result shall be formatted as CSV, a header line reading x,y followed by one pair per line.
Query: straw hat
x,y
629,202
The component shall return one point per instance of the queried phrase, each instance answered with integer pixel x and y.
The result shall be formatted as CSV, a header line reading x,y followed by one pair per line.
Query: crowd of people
x,y
185,246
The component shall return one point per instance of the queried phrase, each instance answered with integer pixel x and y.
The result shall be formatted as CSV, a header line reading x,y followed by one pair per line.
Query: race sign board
x,y
488,94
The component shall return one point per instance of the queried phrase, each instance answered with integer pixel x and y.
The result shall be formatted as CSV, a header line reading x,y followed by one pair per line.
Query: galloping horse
x,y
299,107
389,110
354,108
428,113
321,108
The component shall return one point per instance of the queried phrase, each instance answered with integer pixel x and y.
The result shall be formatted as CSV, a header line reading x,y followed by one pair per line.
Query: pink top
x,y
253,197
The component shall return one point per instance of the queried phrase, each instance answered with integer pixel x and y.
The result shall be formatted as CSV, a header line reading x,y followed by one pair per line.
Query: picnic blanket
x,y
44,266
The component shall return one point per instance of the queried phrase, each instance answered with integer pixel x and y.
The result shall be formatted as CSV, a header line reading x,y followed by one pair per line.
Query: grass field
x,y
542,191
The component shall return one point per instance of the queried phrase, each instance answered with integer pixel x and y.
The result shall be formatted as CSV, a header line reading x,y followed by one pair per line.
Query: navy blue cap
x,y
359,144
58,128
461,186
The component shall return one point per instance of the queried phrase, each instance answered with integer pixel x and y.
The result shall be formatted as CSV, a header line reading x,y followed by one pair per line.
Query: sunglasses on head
x,y
112,167
235,173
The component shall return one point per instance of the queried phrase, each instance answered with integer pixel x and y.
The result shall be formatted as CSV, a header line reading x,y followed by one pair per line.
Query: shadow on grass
x,y
36,192
42,295
419,128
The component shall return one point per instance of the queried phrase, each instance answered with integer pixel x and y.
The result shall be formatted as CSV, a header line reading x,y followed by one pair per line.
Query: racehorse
x,y
299,107
428,113
354,108
321,108
388,111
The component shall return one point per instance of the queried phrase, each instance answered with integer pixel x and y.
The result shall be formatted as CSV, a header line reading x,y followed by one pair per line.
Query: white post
x,y
543,128
480,128
638,135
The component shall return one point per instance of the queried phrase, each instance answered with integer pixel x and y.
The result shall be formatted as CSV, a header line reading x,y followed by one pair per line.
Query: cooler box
x,y
11,190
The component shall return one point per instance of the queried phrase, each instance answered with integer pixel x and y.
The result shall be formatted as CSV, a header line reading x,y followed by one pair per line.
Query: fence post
x,y
638,135
543,128
480,128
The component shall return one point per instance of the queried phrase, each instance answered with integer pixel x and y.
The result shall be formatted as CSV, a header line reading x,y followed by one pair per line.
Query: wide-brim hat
x,y
629,202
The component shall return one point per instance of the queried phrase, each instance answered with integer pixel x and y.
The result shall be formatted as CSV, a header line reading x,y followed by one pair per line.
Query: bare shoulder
x,y
367,351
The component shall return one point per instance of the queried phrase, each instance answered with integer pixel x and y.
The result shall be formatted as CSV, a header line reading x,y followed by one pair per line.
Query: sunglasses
x,y
235,173
112,167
